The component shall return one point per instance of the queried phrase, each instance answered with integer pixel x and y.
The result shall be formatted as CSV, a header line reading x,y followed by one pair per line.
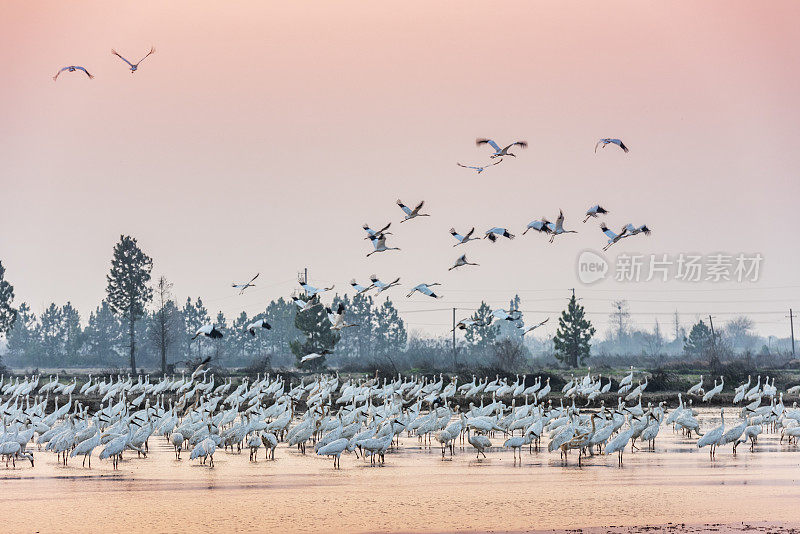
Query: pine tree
x,y
314,324
574,332
7,313
103,335
484,333
128,292
23,343
700,342
71,333
390,330
220,346
49,334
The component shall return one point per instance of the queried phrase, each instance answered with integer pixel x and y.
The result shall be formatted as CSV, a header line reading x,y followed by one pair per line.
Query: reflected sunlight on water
x,y
414,491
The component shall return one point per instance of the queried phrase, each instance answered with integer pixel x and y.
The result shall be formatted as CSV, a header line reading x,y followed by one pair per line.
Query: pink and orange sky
x,y
262,135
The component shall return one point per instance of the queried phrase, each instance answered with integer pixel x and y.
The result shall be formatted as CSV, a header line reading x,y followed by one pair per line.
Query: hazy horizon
x,y
260,136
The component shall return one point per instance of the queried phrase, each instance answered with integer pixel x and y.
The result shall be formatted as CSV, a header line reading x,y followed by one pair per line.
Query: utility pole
x,y
791,327
454,339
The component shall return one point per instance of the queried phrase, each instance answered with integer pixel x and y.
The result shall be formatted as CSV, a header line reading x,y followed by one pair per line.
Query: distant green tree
x,y
390,330
128,292
314,324
71,333
49,334
571,341
194,316
700,342
280,315
220,346
484,333
23,342
7,313
104,334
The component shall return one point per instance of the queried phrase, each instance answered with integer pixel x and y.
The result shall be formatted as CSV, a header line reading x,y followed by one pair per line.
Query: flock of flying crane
x,y
363,416
378,238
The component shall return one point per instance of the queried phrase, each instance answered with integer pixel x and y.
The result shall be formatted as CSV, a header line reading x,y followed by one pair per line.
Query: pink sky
x,y
262,135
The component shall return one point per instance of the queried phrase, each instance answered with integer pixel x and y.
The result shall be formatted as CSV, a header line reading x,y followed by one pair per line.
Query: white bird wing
x,y
152,51
122,58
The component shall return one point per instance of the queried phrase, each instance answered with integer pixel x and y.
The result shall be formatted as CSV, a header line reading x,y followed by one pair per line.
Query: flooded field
x,y
414,491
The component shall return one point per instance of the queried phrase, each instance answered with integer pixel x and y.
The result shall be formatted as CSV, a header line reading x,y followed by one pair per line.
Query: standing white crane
x,y
255,325
612,236
134,66
460,262
463,238
697,388
383,286
594,211
608,141
715,390
480,169
425,289
72,68
492,234
500,152
411,214
242,287
713,437
379,243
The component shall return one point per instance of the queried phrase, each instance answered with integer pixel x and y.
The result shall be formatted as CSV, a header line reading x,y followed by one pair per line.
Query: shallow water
x,y
414,491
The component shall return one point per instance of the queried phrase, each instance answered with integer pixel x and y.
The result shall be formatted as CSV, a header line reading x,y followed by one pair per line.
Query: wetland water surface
x,y
414,492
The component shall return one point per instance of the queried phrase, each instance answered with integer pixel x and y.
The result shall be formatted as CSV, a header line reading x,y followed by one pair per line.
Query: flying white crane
x,y
242,287
594,211
379,243
314,356
372,233
134,66
608,141
633,230
306,305
463,238
480,169
337,319
510,315
208,330
359,288
500,152
262,323
542,226
558,227
460,262
463,324
72,68
613,237
312,291
383,286
492,234
425,289
411,214
533,327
